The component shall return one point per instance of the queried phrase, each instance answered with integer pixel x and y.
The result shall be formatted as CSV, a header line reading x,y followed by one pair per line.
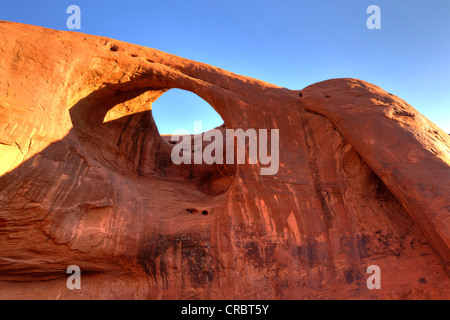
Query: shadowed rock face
x,y
87,180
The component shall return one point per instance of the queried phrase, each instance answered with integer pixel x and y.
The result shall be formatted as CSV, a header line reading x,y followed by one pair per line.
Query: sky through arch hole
x,y
179,109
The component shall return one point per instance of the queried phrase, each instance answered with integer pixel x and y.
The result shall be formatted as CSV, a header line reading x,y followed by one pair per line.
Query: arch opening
x,y
179,109
117,129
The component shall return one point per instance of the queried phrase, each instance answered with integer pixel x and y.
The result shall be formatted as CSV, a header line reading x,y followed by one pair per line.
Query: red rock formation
x,y
87,180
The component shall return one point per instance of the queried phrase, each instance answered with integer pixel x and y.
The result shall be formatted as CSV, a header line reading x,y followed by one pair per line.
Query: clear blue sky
x,y
289,43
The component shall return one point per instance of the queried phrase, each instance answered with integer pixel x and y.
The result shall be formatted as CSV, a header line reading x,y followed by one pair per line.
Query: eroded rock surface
x,y
87,180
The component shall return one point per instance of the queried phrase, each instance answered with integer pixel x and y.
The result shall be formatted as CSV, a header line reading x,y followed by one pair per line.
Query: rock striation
x,y
87,180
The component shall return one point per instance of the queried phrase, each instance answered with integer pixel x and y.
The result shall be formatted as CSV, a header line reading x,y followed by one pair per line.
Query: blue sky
x,y
288,43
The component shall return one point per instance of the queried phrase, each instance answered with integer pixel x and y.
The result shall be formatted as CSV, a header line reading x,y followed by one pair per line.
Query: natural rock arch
x,y
362,180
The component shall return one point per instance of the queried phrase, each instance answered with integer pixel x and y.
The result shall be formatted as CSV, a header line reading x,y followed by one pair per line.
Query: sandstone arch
x,y
343,198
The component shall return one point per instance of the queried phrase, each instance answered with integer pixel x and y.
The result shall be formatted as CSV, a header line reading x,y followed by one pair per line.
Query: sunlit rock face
x,y
87,180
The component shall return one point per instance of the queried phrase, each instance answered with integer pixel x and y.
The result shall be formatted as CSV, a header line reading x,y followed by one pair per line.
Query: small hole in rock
x,y
423,280
327,96
191,210
300,94
204,212
134,55
113,47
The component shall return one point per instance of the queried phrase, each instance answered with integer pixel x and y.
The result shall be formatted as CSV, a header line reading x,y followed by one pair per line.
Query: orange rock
x,y
87,180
